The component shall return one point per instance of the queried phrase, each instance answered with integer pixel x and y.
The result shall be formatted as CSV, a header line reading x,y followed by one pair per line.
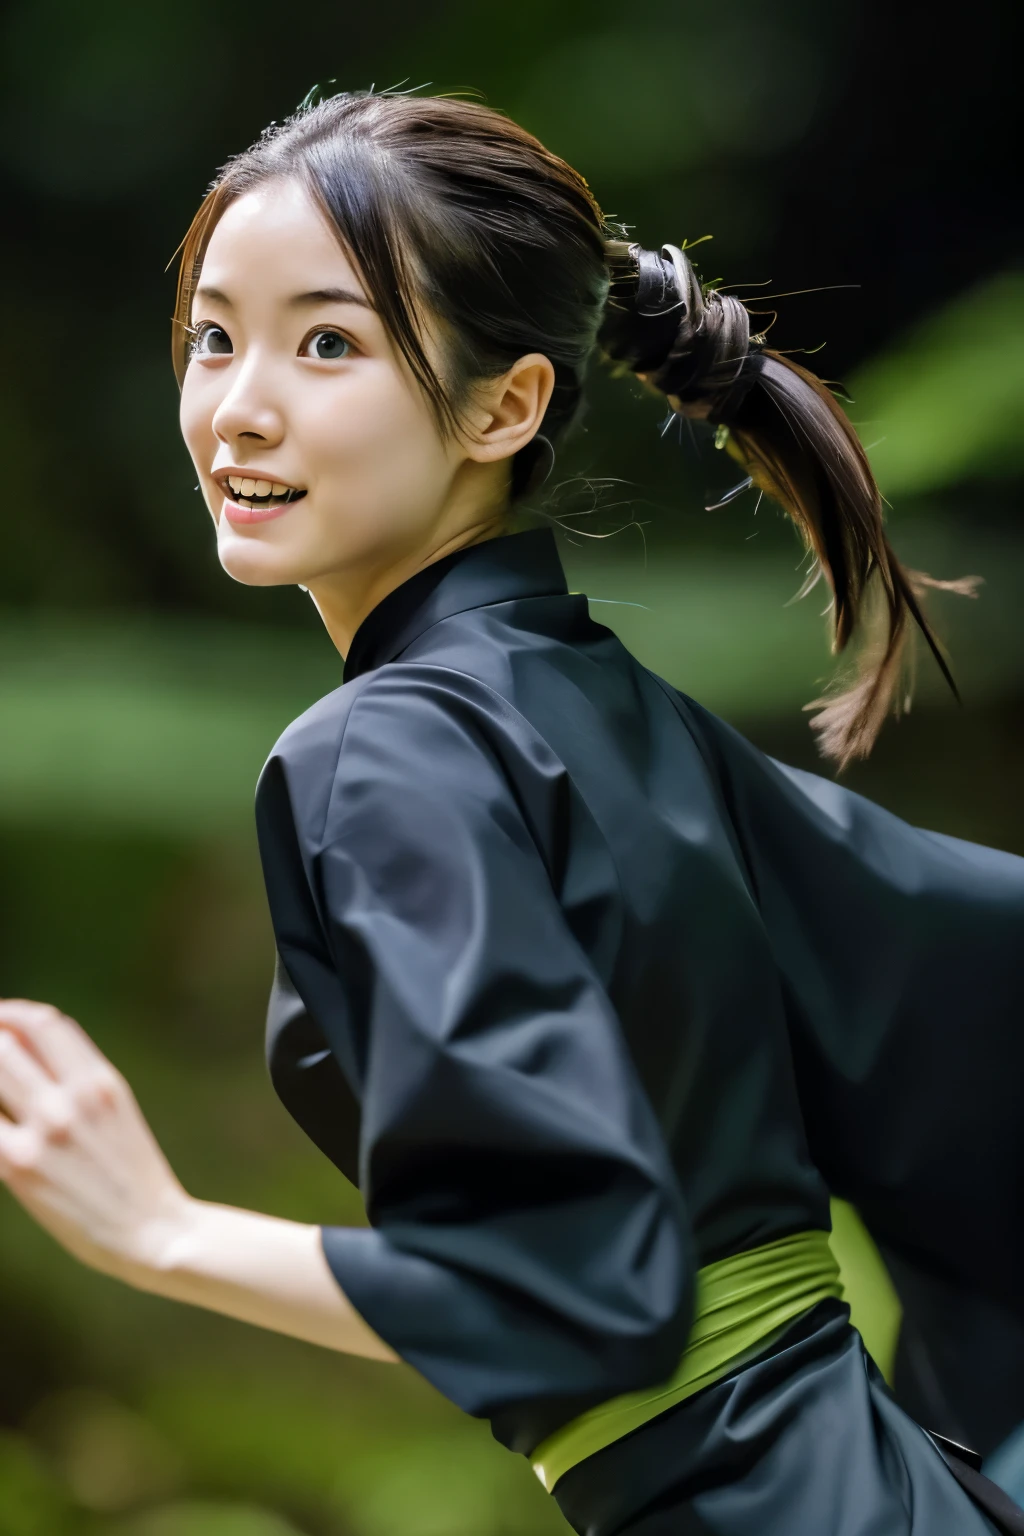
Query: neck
x,y
344,599
475,509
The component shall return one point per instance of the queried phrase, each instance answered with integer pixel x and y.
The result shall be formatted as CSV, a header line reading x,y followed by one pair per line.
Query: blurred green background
x,y
140,689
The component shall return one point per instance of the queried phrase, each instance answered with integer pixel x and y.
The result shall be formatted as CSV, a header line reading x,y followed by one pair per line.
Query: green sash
x,y
743,1302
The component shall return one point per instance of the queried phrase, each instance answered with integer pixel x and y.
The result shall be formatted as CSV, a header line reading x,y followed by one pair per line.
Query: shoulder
x,y
415,731
386,711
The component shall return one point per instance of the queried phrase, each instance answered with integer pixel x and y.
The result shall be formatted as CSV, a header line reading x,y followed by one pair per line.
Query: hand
x,y
77,1153
75,1149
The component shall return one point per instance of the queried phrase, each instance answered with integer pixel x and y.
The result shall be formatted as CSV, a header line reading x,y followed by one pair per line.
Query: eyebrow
x,y
298,300
330,296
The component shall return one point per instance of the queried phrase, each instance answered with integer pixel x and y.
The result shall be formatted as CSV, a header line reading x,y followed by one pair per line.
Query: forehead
x,y
275,241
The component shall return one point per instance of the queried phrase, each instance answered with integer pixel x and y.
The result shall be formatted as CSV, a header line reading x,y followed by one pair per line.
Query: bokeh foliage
x,y
140,690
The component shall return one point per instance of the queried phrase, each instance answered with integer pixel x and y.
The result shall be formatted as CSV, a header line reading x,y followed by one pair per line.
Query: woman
x,y
595,1002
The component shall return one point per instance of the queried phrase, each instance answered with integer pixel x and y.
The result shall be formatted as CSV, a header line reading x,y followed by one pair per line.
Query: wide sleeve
x,y
528,1249
902,957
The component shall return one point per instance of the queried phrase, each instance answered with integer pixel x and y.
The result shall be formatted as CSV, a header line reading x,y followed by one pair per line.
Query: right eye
x,y
211,340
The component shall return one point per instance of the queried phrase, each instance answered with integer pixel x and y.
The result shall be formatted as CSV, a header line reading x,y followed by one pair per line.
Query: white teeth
x,y
247,488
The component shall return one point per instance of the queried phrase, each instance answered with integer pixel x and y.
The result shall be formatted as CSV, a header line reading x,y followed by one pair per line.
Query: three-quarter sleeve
x,y
528,1249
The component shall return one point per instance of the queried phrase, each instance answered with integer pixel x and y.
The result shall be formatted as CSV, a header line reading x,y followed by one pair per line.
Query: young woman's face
x,y
317,452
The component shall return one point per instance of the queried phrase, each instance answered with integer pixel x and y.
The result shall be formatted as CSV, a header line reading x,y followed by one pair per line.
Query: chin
x,y
255,564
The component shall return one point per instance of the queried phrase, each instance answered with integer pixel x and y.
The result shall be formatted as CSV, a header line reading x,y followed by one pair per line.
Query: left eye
x,y
326,344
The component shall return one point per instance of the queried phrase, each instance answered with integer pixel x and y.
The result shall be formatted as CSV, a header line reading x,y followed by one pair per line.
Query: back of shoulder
x,y
402,704
412,728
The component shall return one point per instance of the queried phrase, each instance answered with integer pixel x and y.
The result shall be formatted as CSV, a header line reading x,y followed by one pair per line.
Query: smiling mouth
x,y
259,494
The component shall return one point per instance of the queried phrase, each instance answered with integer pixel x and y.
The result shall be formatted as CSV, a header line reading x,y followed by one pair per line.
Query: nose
x,y
248,411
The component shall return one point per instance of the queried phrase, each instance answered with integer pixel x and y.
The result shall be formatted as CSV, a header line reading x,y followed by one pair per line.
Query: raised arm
x,y
77,1153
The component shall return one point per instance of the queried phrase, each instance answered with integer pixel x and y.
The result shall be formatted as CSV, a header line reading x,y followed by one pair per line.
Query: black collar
x,y
513,565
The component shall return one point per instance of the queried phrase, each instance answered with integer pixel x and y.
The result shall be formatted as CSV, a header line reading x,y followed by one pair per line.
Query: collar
x,y
497,571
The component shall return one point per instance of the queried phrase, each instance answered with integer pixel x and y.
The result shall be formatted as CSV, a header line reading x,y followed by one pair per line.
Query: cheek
x,y
195,418
377,445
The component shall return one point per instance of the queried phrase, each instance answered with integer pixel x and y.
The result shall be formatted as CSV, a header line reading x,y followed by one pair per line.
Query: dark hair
x,y
450,206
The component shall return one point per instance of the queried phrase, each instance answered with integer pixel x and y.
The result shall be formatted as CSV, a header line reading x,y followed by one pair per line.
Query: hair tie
x,y
656,309
692,345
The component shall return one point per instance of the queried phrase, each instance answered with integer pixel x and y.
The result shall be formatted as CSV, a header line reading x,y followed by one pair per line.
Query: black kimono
x,y
585,993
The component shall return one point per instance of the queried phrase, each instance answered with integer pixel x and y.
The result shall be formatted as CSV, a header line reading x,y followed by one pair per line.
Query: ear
x,y
507,411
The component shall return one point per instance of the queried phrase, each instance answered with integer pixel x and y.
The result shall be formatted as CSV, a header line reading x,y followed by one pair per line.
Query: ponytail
x,y
784,427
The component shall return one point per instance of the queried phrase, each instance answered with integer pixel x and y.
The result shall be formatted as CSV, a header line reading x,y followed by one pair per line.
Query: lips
x,y
240,515
251,499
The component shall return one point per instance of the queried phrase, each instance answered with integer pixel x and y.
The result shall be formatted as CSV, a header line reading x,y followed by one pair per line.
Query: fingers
x,y
61,1045
39,1112
51,1106
19,1150
23,1083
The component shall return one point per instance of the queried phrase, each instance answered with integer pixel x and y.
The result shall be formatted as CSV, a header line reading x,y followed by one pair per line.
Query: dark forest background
x,y
868,150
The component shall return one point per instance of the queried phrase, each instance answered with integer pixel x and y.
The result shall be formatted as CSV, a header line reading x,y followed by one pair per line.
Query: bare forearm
x,y
259,1269
77,1152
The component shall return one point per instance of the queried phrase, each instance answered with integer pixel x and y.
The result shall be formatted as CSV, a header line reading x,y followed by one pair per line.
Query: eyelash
x,y
197,332
327,330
